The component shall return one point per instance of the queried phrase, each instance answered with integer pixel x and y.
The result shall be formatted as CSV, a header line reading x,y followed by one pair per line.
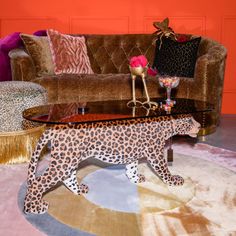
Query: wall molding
x,y
223,26
223,19
123,19
228,24
231,91
16,21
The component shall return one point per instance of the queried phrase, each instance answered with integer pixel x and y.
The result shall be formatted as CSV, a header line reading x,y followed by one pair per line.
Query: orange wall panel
x,y
26,25
212,18
90,25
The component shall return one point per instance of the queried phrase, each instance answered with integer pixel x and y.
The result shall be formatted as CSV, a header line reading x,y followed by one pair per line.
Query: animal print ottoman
x,y
17,136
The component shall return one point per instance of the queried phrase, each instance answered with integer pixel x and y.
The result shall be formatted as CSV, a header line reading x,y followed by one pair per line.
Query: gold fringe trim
x,y
18,146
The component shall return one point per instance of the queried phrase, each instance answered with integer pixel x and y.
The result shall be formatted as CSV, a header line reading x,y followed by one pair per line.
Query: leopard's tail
x,y
43,140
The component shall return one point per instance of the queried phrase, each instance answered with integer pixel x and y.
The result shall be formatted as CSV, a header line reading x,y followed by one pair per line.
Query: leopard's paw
x,y
141,178
83,189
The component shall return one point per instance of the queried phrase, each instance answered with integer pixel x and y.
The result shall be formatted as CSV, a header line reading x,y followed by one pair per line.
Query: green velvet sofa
x,y
109,56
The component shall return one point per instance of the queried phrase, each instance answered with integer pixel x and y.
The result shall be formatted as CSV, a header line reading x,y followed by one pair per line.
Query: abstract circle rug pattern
x,y
204,205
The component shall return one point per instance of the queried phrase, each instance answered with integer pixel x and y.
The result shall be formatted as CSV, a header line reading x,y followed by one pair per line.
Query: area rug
x,y
204,205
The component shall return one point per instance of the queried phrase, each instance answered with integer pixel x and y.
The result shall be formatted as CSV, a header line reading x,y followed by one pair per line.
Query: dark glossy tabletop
x,y
107,111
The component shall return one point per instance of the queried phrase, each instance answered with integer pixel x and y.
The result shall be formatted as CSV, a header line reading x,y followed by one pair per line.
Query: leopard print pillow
x,y
176,58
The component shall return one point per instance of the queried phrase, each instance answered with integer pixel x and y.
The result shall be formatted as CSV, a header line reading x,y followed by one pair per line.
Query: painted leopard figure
x,y
115,142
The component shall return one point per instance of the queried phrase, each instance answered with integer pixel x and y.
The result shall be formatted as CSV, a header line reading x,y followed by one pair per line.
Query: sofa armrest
x,y
209,83
22,66
209,74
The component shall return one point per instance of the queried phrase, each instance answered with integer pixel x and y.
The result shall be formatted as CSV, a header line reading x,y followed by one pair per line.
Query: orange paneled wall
x,y
213,18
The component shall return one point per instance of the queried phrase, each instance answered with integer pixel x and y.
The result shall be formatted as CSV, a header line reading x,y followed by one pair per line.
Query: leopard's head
x,y
186,125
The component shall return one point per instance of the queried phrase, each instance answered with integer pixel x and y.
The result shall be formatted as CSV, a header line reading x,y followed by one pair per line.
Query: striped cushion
x,y
69,53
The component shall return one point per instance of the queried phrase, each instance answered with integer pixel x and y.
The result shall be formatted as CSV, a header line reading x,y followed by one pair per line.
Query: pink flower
x,y
182,38
143,60
138,61
134,62
152,72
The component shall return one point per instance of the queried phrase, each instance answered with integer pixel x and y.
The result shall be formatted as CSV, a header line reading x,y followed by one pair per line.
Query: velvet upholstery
x,y
40,33
109,56
111,53
10,41
39,50
5,68
93,87
7,43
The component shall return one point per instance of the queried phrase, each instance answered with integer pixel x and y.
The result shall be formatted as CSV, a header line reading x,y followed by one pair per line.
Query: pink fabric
x,y
69,53
8,43
40,33
152,72
138,61
182,38
5,67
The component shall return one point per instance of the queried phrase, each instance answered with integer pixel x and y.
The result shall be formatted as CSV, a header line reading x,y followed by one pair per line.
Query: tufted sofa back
x,y
111,53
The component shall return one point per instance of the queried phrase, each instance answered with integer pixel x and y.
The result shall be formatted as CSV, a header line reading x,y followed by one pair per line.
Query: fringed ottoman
x,y
18,137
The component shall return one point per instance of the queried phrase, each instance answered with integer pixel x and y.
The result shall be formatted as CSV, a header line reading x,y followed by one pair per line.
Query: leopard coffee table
x,y
109,131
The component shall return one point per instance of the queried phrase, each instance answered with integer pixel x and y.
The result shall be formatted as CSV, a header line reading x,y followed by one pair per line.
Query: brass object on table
x,y
142,72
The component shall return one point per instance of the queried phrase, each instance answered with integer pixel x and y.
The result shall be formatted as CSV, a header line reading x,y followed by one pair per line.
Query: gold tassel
x,y
18,146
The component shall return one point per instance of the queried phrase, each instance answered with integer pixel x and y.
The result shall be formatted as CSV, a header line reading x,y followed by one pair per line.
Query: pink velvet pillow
x,y
69,53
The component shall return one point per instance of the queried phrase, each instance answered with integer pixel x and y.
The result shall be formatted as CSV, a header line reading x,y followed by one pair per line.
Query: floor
x,y
224,137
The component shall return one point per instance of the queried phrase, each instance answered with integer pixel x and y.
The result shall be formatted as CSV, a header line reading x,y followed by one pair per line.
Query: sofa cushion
x,y
94,87
38,48
69,53
176,58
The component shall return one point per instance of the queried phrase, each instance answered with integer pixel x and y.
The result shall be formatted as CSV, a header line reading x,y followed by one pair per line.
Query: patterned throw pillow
x,y
69,53
39,50
176,58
